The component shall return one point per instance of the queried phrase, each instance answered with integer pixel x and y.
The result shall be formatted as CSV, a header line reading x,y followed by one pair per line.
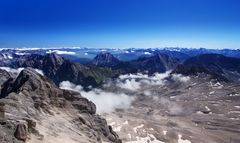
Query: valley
x,y
199,111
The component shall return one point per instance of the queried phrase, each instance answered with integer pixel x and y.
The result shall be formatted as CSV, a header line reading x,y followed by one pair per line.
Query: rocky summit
x,y
105,59
33,109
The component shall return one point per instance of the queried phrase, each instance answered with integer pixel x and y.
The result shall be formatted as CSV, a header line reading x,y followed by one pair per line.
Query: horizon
x,y
89,48
121,24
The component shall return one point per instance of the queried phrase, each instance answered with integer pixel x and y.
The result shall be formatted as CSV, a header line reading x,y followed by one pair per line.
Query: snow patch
x,y
238,107
125,123
180,140
150,138
137,127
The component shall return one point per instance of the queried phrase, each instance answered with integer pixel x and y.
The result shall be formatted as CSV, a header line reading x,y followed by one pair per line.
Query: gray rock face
x,y
21,132
31,99
2,111
4,76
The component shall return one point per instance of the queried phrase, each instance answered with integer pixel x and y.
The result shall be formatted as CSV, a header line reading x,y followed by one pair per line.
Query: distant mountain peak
x,y
158,62
105,59
53,57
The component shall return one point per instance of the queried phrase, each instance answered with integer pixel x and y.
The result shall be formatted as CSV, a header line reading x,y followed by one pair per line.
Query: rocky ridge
x,y
157,62
216,65
59,69
34,109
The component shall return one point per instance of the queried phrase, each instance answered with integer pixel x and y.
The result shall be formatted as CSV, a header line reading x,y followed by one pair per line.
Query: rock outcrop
x,y
21,132
31,105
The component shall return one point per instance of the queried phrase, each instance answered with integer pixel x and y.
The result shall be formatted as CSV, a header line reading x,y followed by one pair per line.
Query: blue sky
x,y
120,23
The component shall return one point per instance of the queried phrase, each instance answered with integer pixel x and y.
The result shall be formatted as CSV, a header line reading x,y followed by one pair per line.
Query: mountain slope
x,y
153,63
214,64
156,63
59,69
34,109
105,59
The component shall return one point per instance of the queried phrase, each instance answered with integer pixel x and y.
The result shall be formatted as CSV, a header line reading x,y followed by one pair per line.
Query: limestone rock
x,y
32,98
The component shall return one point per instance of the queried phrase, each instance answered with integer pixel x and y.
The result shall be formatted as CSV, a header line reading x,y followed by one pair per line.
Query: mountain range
x,y
33,108
105,65
60,69
219,66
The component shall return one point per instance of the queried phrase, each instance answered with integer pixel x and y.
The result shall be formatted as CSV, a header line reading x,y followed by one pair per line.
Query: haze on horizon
x,y
120,23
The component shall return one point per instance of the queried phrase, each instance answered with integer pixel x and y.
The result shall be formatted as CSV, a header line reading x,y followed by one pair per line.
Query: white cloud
x,y
12,70
59,52
136,82
139,81
181,78
130,84
104,101
35,48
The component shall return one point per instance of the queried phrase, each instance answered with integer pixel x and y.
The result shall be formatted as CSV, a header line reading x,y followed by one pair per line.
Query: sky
x,y
120,23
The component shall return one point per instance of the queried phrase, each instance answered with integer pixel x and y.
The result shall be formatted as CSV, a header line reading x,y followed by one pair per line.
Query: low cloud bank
x,y
123,86
59,52
104,101
18,70
181,78
12,70
136,82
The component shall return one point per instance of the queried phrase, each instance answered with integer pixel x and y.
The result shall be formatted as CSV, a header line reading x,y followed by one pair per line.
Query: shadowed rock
x,y
21,132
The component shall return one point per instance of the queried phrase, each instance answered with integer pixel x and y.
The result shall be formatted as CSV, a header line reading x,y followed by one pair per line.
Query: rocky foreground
x,y
33,109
